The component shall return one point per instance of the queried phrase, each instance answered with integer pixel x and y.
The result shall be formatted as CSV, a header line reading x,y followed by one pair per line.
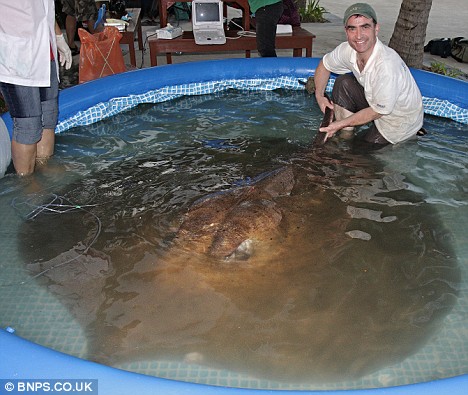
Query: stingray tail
x,y
326,120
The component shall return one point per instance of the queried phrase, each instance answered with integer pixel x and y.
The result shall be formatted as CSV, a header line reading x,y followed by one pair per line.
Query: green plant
x,y
441,68
313,12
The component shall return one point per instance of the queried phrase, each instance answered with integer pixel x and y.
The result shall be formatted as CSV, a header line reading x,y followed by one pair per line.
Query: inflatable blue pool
x,y
22,360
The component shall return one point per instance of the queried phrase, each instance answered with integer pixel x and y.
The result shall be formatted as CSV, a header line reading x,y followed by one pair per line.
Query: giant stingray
x,y
291,277
226,224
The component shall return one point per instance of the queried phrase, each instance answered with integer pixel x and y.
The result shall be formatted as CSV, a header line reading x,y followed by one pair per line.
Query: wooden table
x,y
297,41
128,35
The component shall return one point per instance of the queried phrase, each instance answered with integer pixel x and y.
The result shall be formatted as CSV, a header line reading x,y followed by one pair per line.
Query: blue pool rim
x,y
21,359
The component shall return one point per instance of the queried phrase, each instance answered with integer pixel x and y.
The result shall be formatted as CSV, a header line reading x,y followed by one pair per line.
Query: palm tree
x,y
409,33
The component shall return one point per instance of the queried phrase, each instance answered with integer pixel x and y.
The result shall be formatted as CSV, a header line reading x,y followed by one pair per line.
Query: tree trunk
x,y
409,33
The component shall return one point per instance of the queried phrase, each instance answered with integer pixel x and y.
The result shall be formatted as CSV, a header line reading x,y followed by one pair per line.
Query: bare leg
x,y
70,29
24,157
342,113
45,147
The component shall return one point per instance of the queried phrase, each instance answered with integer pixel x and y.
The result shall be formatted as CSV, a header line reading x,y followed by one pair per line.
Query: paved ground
x,y
446,20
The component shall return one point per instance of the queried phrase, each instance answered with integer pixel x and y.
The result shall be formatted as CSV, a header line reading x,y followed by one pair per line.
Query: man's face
x,y
361,33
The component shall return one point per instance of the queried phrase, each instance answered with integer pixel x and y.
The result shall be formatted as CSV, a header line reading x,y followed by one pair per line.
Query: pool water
x,y
361,284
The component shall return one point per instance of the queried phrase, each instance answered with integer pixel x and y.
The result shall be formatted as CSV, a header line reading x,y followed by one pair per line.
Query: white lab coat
x,y
27,32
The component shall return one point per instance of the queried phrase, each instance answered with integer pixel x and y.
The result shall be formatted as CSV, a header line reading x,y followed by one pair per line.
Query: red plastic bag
x,y
100,54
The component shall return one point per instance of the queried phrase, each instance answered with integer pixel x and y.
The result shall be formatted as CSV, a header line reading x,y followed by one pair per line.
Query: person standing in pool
x,y
30,43
380,89
267,14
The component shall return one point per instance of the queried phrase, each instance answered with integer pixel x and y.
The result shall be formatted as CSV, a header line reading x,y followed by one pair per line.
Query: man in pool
x,y
379,91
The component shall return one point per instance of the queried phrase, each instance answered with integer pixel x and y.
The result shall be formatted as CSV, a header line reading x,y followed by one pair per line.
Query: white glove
x,y
64,52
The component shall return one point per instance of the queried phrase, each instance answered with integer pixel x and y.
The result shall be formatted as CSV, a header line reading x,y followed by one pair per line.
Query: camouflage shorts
x,y
83,10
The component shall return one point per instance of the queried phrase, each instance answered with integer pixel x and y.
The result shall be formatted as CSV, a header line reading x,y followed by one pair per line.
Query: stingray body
x,y
224,225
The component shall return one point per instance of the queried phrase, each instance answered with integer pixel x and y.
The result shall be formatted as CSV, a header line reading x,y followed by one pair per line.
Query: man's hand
x,y
323,102
64,52
330,130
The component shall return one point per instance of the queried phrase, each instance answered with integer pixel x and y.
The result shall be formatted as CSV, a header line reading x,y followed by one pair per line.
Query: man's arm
x,y
321,77
362,117
359,118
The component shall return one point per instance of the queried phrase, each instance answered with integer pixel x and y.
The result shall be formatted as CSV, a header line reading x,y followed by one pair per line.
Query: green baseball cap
x,y
363,9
